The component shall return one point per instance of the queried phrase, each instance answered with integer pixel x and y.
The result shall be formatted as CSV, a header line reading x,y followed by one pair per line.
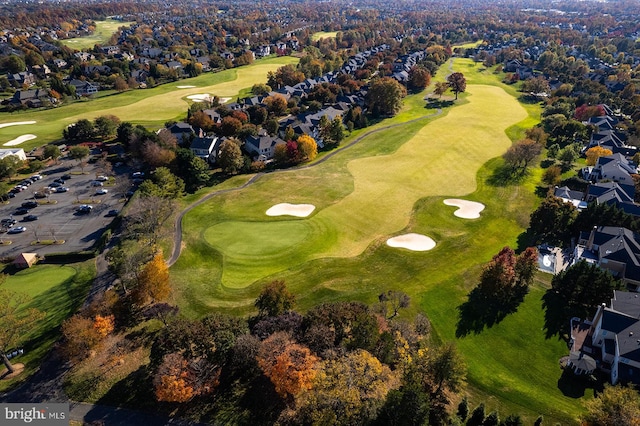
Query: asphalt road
x,y
60,221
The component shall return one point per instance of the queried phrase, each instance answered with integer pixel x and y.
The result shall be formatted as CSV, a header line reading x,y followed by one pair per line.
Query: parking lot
x,y
62,220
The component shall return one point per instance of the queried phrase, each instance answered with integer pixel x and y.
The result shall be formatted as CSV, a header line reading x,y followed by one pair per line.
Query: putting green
x,y
439,160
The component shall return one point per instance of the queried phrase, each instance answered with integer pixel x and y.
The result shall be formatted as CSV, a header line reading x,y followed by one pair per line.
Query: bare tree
x,y
146,218
52,231
36,231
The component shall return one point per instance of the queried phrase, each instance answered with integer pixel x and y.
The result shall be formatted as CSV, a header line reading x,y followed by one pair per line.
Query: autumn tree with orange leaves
x,y
104,325
179,379
596,152
287,364
153,281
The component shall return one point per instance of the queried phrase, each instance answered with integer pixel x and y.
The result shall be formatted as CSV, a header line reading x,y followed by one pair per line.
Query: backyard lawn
x,y
392,182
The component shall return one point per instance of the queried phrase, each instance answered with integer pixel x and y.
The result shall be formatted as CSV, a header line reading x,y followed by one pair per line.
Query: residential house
x,y
22,79
206,148
614,338
30,98
182,131
84,88
262,147
614,167
614,249
569,196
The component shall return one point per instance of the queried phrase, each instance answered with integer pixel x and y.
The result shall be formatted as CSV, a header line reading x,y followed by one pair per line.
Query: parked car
x,y
36,177
96,183
21,211
113,213
16,229
65,176
137,175
8,222
30,218
62,189
55,185
61,181
101,191
102,178
85,208
30,204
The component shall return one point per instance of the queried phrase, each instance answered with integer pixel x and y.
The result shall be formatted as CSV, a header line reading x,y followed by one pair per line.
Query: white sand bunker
x,y
414,242
19,140
466,209
297,210
200,97
16,123
188,86
224,100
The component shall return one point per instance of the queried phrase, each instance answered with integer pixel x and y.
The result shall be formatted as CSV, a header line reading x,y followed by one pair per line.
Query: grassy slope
x,y
150,107
323,34
57,290
102,34
511,366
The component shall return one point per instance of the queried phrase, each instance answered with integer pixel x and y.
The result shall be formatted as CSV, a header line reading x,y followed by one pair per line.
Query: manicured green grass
x,y
103,32
323,34
58,290
149,107
393,182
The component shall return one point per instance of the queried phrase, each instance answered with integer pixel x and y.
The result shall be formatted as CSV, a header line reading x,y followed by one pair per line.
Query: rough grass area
x,y
57,290
149,107
323,34
103,32
392,182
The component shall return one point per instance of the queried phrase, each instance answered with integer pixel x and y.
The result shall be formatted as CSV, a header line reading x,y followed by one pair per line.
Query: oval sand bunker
x,y
286,209
414,242
466,209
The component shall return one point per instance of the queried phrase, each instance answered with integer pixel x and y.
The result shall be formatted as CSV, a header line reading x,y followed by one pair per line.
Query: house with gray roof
x,y
614,337
206,148
262,147
614,249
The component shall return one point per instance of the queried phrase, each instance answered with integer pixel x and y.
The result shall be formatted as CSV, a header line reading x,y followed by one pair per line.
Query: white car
x,y
102,178
101,191
17,230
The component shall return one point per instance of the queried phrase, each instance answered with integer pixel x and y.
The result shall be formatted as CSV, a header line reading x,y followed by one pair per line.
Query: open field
x,y
394,182
102,34
150,107
57,290
323,34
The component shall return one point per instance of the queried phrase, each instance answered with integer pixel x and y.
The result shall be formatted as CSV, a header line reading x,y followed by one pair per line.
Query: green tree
x,y
457,83
14,64
260,89
105,126
82,130
576,292
51,151
615,406
552,221
385,96
274,299
194,171
230,157
9,166
17,321
79,152
163,183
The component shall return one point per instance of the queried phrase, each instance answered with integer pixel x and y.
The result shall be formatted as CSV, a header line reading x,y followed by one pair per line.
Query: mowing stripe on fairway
x,y
441,159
